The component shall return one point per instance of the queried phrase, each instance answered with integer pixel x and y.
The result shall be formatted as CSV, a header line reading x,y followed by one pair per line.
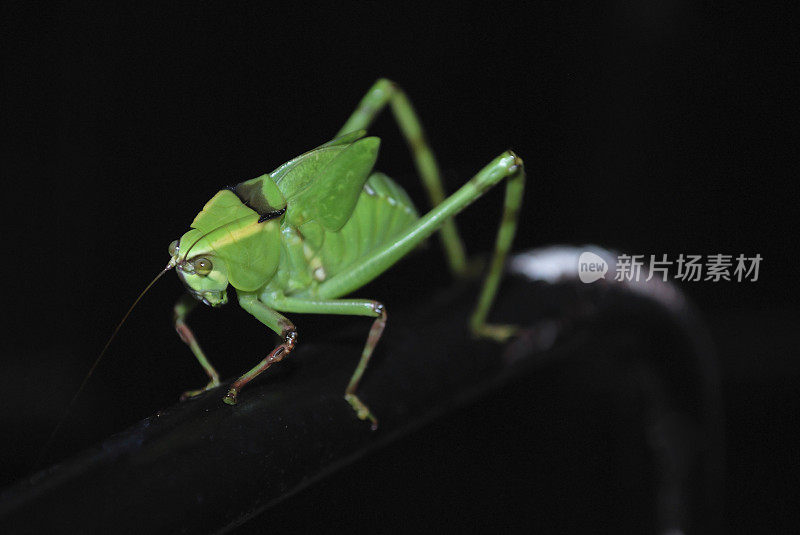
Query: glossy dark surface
x,y
203,466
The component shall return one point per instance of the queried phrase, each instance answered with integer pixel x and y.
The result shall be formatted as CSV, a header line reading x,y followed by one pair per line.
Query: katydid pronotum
x,y
324,224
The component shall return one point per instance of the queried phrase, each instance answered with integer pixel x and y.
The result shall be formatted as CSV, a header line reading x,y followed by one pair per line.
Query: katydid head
x,y
205,275
229,243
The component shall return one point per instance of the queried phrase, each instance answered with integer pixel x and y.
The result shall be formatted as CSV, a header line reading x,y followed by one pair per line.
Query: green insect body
x,y
324,224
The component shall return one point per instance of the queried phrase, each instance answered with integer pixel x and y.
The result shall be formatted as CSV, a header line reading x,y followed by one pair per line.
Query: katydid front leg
x,y
182,309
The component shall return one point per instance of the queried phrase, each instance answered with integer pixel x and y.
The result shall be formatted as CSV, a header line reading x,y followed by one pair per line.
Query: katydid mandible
x,y
324,224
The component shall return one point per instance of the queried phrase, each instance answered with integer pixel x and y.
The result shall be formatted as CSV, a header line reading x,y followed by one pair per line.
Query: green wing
x,y
323,184
295,175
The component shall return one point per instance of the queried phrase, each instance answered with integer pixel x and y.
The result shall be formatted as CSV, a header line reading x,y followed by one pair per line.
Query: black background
x,y
649,127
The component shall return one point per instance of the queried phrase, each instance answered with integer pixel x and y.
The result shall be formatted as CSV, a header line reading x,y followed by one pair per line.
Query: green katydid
x,y
324,224
321,226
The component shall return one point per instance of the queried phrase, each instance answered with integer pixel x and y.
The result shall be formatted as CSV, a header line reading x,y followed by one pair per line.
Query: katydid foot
x,y
214,383
230,397
498,333
362,411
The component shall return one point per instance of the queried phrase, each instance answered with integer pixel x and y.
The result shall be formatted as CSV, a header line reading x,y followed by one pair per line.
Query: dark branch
x,y
203,466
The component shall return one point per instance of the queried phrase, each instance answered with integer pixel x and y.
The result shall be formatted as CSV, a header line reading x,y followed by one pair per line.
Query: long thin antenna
x,y
40,457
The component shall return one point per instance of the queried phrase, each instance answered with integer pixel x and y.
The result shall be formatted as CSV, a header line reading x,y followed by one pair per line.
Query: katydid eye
x,y
173,247
203,266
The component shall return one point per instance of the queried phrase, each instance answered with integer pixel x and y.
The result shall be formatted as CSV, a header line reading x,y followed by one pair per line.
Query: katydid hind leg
x,y
507,166
183,307
385,92
512,203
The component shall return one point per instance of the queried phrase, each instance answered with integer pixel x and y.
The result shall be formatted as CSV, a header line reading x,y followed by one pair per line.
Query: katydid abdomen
x,y
382,213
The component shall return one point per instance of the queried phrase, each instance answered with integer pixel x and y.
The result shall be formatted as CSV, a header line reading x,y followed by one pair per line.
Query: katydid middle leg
x,y
344,307
385,92
182,309
267,313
